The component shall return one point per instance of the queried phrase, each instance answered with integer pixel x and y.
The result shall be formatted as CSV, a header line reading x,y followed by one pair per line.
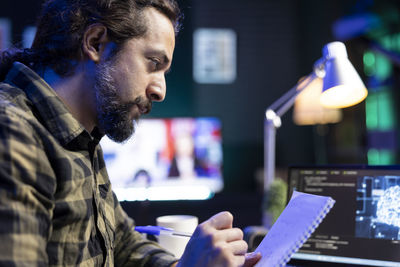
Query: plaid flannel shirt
x,y
56,203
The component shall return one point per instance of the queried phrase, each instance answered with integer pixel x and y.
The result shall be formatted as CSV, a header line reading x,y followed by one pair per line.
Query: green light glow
x,y
380,104
373,156
386,157
371,111
379,110
369,58
369,63
386,119
380,157
383,67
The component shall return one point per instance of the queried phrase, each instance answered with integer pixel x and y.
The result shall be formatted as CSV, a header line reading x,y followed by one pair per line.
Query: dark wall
x,y
266,63
22,13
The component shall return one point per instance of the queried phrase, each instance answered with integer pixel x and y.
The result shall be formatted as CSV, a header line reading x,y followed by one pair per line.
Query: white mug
x,y
182,223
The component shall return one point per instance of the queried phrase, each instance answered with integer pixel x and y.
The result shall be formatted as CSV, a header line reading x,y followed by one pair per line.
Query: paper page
x,y
294,226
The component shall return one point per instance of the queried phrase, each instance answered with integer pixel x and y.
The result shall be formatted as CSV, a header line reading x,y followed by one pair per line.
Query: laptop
x,y
363,227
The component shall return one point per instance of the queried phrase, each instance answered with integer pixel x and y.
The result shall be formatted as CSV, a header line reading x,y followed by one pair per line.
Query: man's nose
x,y
156,92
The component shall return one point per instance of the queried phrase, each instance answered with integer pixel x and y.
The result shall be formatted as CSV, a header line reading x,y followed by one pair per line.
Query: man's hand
x,y
216,243
251,259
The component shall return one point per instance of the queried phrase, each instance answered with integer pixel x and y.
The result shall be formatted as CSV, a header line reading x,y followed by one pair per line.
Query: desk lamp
x,y
341,87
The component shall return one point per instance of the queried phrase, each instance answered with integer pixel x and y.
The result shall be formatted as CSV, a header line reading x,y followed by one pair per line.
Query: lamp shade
x,y
342,86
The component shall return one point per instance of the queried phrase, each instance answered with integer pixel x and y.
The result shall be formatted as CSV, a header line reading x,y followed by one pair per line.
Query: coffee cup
x,y
181,223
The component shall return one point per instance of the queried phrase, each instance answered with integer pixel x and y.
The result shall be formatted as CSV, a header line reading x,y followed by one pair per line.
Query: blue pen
x,y
158,230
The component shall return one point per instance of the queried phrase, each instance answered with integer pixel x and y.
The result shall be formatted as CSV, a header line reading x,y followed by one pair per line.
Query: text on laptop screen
x,y
363,226
167,159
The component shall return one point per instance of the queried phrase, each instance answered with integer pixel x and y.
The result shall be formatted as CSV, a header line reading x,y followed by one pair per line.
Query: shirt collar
x,y
54,114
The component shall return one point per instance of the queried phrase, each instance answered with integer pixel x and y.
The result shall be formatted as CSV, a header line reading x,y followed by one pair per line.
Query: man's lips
x,y
144,108
138,108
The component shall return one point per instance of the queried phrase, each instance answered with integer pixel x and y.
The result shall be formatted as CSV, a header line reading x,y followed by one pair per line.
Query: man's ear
x,y
94,42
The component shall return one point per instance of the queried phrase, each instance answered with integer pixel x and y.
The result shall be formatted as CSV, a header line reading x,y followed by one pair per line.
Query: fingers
x,y
221,237
238,248
252,259
227,242
221,220
230,254
229,235
216,243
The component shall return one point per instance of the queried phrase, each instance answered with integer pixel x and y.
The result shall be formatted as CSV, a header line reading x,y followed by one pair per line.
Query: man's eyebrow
x,y
160,54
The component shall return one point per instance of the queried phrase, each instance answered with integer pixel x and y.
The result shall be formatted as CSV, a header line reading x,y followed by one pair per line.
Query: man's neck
x,y
77,94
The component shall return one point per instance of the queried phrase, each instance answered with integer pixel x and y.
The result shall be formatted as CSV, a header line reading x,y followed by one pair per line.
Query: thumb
x,y
222,220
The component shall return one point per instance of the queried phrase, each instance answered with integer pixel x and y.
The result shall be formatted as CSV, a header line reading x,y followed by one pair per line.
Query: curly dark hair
x,y
62,23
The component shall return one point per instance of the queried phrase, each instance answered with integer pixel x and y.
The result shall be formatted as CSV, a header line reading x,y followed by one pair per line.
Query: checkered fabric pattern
x,y
56,203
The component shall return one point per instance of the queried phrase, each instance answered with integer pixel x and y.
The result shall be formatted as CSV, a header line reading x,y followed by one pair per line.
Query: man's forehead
x,y
159,39
158,23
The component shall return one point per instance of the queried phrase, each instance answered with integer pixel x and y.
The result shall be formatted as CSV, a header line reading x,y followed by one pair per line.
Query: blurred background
x,y
273,44
278,43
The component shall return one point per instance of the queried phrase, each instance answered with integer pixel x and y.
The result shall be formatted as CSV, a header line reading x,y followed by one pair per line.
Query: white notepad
x,y
294,226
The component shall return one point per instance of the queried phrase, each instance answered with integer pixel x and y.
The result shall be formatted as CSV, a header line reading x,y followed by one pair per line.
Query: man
x,y
95,66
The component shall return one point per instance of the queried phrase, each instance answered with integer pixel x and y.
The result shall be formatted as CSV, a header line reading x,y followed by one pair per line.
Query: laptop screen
x,y
363,226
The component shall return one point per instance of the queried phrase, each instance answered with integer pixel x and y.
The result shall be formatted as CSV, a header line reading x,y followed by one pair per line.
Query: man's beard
x,y
113,114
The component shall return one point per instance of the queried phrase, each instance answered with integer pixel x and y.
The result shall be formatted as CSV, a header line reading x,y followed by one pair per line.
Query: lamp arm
x,y
283,99
294,90
272,121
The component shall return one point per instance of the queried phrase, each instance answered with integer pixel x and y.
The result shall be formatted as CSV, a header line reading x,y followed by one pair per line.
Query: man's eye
x,y
155,63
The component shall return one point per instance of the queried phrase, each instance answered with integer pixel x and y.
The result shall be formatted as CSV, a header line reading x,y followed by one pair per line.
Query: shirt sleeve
x,y
26,192
131,249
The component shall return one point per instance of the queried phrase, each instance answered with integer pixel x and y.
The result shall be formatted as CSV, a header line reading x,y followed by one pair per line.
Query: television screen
x,y
167,159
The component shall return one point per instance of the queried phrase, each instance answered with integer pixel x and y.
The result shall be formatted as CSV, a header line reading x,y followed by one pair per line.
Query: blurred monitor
x,y
363,227
167,159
